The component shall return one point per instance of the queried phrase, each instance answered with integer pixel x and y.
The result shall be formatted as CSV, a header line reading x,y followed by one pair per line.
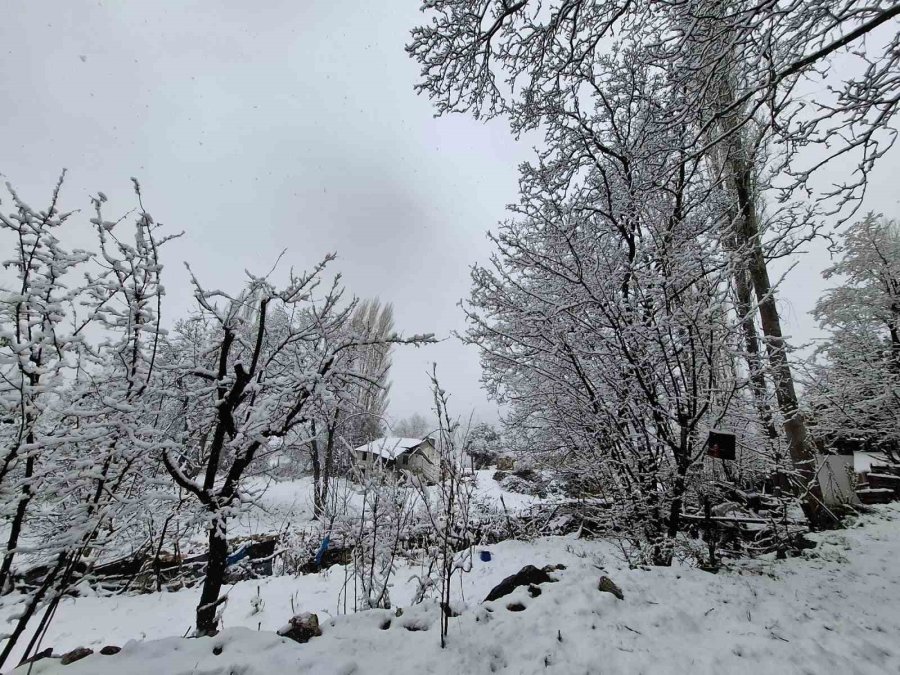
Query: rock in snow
x,y
75,655
302,627
607,585
527,576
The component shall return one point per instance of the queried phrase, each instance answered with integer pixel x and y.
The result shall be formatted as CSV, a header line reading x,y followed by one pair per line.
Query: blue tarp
x,y
237,556
322,548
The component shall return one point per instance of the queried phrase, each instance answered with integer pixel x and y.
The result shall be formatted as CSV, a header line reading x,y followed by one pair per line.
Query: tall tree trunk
x,y
318,501
799,444
746,310
736,158
215,575
895,342
328,469
758,387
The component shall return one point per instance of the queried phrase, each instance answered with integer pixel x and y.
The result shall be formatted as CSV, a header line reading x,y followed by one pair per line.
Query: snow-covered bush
x,y
448,510
383,526
484,445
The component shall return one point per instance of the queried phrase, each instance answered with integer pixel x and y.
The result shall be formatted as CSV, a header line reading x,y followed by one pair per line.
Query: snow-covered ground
x,y
278,505
274,506
834,610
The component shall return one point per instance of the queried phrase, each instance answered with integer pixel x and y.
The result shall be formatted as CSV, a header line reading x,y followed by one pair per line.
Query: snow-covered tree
x,y
414,426
856,386
269,357
604,319
725,76
37,346
531,60
373,388
484,445
86,416
352,414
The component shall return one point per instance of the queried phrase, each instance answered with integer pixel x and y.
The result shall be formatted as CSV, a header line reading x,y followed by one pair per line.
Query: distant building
x,y
417,456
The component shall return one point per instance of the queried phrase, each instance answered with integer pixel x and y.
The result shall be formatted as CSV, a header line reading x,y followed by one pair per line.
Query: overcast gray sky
x,y
288,124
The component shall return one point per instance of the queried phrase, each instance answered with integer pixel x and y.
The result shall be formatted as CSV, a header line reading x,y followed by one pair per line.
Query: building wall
x,y
364,464
426,464
837,480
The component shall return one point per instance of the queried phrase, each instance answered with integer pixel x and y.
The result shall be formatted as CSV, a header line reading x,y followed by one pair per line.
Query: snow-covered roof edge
x,y
391,447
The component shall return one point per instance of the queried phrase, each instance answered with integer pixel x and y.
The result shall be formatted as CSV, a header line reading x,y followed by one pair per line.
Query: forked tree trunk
x,y
323,471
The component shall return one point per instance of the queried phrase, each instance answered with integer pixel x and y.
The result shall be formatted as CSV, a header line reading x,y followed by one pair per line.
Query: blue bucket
x,y
485,556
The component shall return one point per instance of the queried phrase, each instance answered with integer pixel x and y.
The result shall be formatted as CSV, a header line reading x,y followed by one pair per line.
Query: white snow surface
x,y
278,505
864,462
836,609
390,447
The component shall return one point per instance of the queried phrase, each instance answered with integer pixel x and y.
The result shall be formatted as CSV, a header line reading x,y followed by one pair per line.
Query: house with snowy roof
x,y
416,456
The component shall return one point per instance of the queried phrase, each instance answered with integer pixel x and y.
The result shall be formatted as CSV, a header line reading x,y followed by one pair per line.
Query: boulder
x,y
506,463
528,575
607,585
75,655
302,627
